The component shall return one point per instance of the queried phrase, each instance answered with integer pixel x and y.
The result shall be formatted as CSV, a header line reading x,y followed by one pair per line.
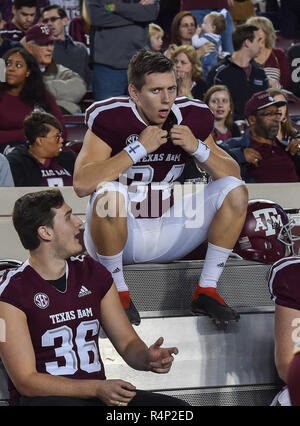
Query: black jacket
x,y
241,88
25,168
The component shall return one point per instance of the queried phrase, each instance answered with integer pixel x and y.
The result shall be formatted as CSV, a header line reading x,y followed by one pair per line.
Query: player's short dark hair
x,y
37,124
32,211
242,33
146,62
24,3
60,10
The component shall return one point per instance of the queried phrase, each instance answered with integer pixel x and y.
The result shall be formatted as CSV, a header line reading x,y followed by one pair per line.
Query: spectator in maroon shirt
x,y
6,9
24,12
261,155
23,91
220,102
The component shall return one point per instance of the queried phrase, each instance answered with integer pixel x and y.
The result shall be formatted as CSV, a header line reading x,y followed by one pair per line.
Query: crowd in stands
x,y
56,57
68,54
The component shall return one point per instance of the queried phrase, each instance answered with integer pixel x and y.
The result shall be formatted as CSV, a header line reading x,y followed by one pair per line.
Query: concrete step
x,y
209,356
159,288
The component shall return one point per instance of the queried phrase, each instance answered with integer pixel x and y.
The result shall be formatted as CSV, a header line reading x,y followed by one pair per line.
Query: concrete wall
x,y
287,195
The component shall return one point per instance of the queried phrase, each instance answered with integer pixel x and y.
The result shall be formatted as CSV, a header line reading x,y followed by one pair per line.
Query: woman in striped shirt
x,y
272,59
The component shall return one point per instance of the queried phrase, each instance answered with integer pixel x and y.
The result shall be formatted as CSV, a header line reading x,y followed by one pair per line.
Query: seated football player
x,y
52,308
135,149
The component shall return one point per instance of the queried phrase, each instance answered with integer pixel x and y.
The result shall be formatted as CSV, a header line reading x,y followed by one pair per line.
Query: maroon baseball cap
x,y
259,101
40,34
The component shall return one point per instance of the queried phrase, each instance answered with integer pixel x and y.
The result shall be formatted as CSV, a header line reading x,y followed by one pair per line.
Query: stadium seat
x,y
76,129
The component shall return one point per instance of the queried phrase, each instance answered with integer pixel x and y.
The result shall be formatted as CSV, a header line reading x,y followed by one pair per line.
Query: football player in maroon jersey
x,y
52,307
283,283
137,147
268,236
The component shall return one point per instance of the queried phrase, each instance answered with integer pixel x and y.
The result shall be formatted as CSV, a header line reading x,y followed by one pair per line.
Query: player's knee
x,y
110,205
238,200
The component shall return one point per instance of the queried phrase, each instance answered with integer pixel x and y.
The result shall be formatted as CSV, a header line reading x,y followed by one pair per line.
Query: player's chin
x,y
76,249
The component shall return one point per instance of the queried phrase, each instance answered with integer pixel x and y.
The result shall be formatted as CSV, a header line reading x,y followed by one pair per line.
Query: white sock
x,y
114,264
215,260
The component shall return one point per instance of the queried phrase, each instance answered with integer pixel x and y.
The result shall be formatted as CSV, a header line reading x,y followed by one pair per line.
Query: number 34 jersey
x,y
64,326
117,122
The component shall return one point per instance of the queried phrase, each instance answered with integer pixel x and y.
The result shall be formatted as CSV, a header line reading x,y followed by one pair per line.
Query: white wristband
x,y
136,151
202,152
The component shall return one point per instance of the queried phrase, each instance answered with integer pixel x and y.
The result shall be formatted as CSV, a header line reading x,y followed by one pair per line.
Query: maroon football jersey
x,y
284,282
64,326
117,122
293,380
12,32
53,174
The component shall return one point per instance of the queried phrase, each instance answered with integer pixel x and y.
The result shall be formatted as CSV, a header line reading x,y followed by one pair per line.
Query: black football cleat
x,y
204,304
132,314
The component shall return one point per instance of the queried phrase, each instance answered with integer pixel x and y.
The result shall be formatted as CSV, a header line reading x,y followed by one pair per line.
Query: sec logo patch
x,y
41,300
131,139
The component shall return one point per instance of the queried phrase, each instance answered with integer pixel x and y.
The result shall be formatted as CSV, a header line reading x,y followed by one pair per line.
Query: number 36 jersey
x,y
64,326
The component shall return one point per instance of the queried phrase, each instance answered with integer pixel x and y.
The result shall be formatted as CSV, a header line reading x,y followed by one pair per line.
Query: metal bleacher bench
x,y
215,366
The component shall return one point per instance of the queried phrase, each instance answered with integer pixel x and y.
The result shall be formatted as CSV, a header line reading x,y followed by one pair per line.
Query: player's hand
x,y
183,136
293,147
159,360
252,156
152,138
115,392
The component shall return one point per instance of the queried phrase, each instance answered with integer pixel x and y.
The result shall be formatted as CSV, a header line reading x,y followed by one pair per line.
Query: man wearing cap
x,y
66,50
66,86
259,152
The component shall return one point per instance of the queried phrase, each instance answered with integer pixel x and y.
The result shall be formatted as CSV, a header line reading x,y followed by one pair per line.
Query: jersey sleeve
x,y
95,119
284,283
13,289
199,119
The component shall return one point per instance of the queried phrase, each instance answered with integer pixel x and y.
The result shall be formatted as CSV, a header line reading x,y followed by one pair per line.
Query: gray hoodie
x,y
117,36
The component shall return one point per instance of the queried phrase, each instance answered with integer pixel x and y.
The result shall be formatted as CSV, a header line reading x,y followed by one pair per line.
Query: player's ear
x,y
133,92
45,233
